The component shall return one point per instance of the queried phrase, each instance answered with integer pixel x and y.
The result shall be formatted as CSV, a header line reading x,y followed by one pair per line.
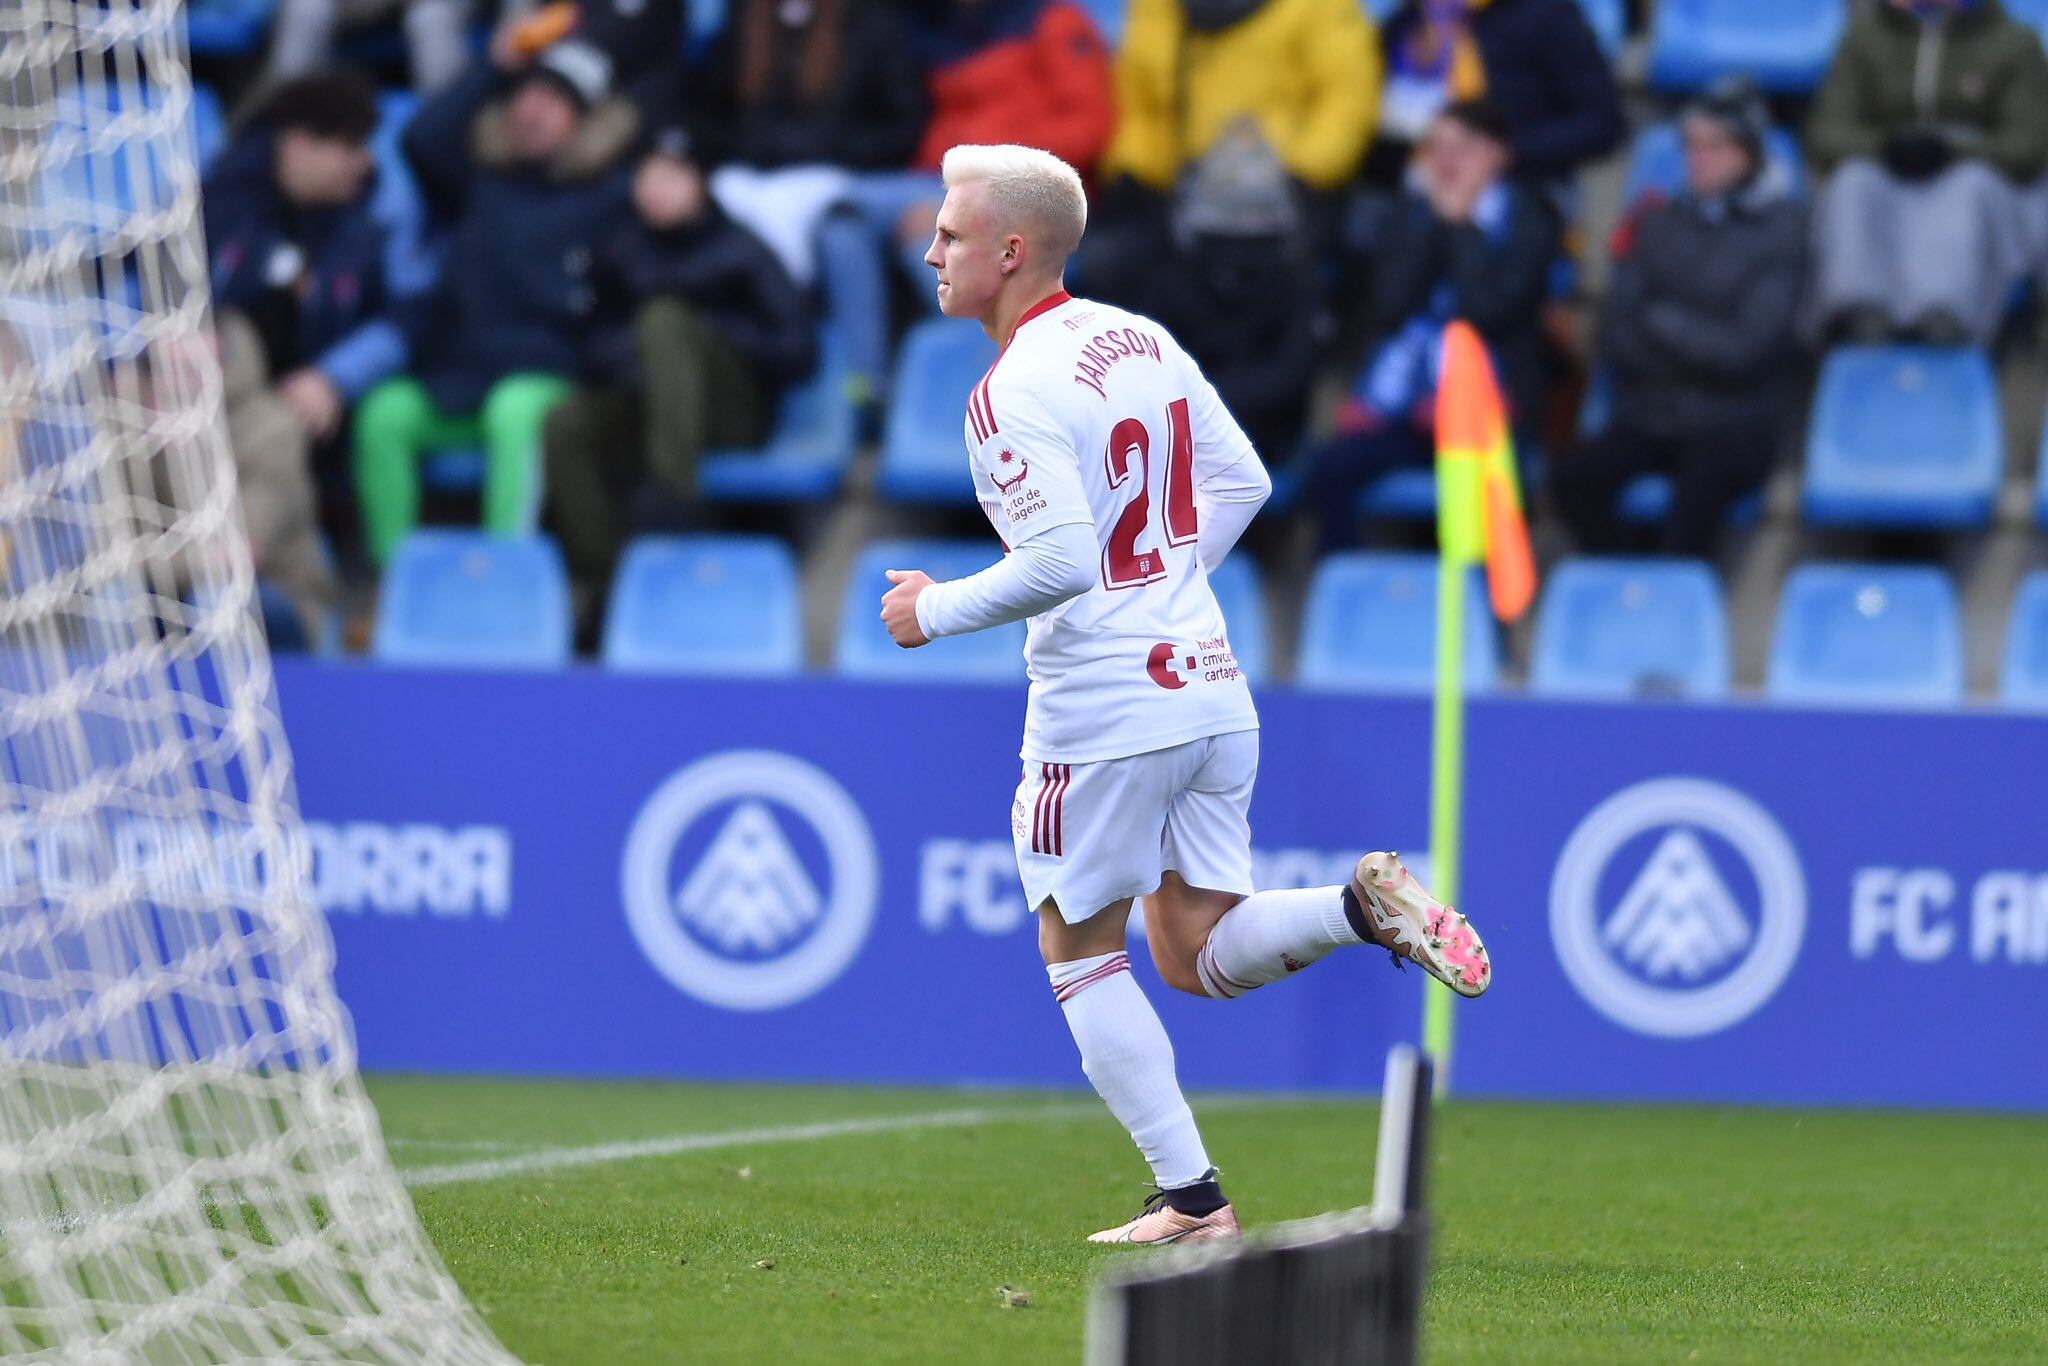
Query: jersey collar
x,y
1045,305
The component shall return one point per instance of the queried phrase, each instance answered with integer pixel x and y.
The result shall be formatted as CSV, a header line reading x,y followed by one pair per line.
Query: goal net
x,y
189,1170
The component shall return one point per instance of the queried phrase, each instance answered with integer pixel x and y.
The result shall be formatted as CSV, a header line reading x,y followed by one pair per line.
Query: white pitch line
x,y
555,1159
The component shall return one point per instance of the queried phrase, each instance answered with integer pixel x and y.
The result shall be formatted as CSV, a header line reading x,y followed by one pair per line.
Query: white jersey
x,y
1095,415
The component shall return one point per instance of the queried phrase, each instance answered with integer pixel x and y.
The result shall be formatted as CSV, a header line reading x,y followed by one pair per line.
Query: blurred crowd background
x,y
589,279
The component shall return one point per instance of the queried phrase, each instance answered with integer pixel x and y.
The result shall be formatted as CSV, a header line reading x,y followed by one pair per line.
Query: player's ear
x,y
1013,253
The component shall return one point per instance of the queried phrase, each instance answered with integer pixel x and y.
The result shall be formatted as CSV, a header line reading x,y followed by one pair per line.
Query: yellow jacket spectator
x,y
1307,72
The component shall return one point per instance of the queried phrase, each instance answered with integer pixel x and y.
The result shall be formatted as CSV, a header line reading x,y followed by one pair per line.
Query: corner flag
x,y
1478,521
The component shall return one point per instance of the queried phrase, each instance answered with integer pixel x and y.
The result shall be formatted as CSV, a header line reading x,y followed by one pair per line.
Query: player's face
x,y
966,254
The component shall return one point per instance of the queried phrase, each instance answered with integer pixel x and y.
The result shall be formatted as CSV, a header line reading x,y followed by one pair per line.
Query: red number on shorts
x,y
1123,564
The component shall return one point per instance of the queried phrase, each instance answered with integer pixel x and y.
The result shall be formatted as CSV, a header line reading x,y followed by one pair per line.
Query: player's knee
x,y
1177,968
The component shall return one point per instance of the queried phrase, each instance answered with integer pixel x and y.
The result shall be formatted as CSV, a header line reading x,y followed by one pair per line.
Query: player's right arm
x,y
1051,531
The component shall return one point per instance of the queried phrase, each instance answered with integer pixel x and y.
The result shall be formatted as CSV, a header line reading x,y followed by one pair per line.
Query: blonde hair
x,y
1027,186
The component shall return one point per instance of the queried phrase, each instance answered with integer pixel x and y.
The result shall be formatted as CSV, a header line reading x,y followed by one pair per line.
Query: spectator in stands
x,y
1030,71
797,99
1236,288
1465,242
816,83
1697,335
1305,74
698,328
436,36
1015,70
1535,60
304,285
1933,122
530,181
643,39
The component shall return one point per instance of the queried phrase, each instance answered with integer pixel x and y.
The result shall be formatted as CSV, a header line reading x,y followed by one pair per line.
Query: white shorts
x,y
1091,834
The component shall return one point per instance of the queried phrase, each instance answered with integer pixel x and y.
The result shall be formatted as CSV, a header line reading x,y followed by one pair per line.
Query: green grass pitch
x,y
600,1223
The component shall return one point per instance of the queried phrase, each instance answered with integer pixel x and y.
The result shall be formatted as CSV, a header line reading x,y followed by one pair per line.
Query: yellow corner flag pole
x,y
1479,521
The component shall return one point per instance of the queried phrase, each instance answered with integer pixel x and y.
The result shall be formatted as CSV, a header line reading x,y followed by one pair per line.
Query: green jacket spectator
x,y
1934,125
1988,91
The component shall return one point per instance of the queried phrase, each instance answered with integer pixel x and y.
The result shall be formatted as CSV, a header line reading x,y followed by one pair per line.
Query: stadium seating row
x,y
1846,634
1900,436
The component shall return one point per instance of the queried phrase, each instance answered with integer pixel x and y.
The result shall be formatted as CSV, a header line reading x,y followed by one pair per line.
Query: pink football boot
x,y
1160,1224
1410,923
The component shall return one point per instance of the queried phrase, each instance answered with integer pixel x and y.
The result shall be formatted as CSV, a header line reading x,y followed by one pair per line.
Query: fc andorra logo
x,y
1678,907
749,880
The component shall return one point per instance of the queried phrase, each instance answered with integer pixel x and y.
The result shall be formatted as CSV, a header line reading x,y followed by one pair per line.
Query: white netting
x,y
189,1171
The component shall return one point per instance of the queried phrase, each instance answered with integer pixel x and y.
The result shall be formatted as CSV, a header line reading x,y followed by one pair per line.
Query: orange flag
x,y
1479,501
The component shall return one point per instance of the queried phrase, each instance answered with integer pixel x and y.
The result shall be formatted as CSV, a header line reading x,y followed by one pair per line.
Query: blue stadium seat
x,y
1904,436
865,650
2041,478
227,28
705,604
1872,634
808,453
2024,680
706,22
1242,597
1623,628
1399,495
106,156
1656,161
1109,18
2032,13
465,599
1407,494
1783,45
924,455
1609,22
1370,625
209,124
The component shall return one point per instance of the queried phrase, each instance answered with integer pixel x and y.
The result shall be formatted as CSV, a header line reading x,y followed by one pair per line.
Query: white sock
x,y
1268,935
1126,1054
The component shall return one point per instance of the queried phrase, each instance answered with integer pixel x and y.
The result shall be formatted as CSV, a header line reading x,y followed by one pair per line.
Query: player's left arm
x,y
1053,550
1231,483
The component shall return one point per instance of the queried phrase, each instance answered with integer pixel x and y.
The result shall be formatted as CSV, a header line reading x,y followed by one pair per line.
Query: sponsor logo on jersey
x,y
749,880
1166,663
1009,463
1678,907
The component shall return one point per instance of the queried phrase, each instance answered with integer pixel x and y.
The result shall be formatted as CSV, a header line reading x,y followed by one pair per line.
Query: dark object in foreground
x,y
1340,1288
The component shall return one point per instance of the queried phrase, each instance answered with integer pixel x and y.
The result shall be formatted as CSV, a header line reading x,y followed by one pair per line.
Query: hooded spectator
x,y
1697,336
1237,289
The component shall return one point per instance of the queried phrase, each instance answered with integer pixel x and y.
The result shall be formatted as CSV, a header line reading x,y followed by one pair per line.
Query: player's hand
x,y
899,607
